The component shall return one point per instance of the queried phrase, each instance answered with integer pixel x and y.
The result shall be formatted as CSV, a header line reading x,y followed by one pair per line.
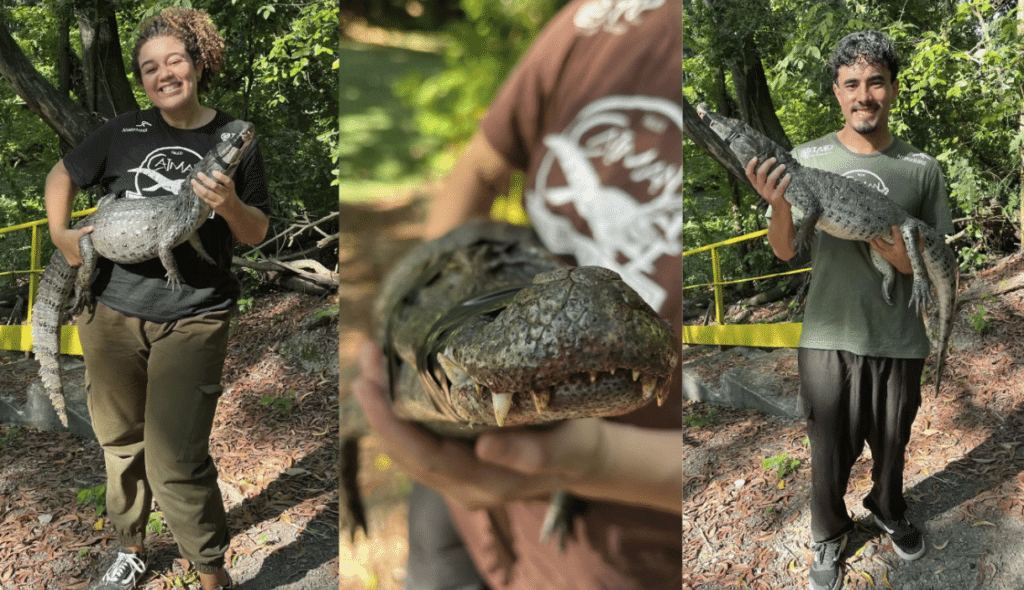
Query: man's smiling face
x,y
865,94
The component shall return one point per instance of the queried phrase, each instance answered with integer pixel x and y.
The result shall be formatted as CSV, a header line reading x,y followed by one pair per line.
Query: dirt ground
x,y
748,526
275,444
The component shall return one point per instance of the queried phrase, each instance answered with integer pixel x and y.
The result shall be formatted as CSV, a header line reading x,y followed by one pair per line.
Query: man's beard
x,y
865,126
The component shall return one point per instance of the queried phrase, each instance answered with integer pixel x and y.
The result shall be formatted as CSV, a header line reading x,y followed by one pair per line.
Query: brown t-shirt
x,y
593,114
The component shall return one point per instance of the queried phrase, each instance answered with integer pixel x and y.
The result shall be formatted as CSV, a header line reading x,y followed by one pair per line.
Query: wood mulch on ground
x,y
275,444
747,476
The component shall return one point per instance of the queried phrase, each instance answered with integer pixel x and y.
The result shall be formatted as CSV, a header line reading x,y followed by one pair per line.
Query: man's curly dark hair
x,y
871,46
195,31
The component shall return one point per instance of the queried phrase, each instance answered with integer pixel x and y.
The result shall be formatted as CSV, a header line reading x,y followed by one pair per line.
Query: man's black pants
x,y
847,400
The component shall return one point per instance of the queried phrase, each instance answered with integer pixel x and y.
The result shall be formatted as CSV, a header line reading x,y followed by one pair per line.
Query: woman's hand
x,y
66,241
248,224
218,192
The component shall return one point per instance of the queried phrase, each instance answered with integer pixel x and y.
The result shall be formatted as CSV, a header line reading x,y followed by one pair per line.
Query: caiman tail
x,y
941,263
47,316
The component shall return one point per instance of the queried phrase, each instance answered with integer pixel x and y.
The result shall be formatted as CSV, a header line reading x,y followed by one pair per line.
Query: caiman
x,y
851,210
126,231
484,328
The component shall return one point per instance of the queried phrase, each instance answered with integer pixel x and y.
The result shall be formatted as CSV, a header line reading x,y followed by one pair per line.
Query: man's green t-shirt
x,y
845,308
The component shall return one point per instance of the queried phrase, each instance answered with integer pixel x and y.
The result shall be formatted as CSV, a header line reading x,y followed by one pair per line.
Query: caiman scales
x,y
126,231
851,210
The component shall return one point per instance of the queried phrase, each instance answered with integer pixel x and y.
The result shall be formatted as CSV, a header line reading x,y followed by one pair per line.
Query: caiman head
x,y
236,137
744,141
577,342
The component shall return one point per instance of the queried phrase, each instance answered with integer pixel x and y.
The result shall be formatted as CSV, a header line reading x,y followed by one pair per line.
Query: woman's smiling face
x,y
169,77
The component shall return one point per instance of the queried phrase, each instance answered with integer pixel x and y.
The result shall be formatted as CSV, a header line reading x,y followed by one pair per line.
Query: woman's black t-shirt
x,y
138,155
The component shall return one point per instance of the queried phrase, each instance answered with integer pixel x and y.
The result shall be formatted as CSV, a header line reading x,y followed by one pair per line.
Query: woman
x,y
154,354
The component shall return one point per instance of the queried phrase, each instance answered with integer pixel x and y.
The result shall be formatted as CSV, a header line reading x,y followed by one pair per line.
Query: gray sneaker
x,y
907,540
125,573
826,573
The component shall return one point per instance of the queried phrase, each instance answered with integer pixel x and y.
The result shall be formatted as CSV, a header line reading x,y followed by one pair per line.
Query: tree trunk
x,y
71,122
725,105
107,89
754,97
751,83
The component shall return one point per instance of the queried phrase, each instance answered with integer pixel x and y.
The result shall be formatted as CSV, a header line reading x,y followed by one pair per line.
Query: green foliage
x,y
481,52
282,404
250,281
378,136
781,464
95,495
12,433
699,420
156,523
980,317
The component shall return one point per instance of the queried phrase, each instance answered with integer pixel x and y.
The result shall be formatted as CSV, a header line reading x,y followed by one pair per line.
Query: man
x,y
593,116
860,360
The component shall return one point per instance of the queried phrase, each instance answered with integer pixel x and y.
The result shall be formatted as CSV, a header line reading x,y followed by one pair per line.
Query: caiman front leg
x,y
82,298
805,231
922,293
560,516
888,272
197,245
167,259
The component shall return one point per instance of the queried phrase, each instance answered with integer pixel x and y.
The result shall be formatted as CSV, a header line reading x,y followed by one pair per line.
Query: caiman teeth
x,y
502,402
636,374
541,399
593,376
648,384
662,395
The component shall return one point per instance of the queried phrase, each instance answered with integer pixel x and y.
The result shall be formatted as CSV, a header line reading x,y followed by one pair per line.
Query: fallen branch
x,y
308,276
287,237
1000,288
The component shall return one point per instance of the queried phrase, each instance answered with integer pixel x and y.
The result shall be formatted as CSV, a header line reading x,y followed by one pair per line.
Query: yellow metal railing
x,y
783,335
20,337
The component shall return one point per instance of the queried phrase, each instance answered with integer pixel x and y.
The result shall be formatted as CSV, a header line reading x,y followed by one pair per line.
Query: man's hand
x,y
781,231
767,185
895,253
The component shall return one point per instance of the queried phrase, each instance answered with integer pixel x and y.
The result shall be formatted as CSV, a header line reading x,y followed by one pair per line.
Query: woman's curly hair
x,y
195,31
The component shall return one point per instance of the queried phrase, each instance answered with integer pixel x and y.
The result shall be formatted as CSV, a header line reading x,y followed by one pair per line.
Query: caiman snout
x,y
572,344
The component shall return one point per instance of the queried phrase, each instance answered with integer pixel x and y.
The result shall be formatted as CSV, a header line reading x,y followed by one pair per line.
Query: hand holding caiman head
x,y
126,231
484,328
850,210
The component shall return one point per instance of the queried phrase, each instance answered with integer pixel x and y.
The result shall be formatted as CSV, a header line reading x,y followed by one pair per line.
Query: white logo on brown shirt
x,y
606,15
625,234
